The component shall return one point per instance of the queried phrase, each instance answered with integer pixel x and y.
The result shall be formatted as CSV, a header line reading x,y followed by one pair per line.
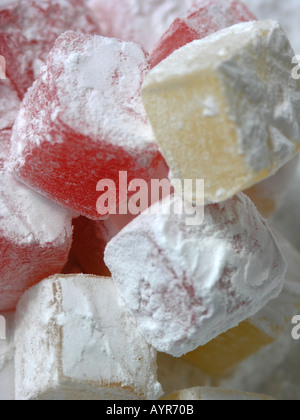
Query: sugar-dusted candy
x,y
83,121
203,19
91,236
269,194
142,21
9,104
7,356
216,394
75,341
179,299
225,352
35,235
219,116
28,30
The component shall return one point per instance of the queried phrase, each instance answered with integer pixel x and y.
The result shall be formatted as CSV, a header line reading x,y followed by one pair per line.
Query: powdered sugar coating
x,y
142,21
74,340
83,121
35,235
98,89
201,20
146,21
264,103
190,284
28,30
255,127
28,217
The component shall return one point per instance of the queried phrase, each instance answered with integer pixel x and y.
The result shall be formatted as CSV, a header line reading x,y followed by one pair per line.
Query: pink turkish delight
x,y
203,19
28,30
83,121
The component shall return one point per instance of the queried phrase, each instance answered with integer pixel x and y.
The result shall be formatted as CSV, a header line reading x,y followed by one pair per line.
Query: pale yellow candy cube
x,y
226,108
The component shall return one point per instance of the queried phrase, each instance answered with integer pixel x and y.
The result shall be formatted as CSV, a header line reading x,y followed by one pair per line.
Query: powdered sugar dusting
x,y
253,61
25,216
99,89
142,21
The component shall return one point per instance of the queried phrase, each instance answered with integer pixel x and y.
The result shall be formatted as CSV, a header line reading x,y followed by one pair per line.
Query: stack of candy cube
x,y
108,292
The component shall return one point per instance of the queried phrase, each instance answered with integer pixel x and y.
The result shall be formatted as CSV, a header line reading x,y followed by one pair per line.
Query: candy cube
x,y
179,299
219,356
216,394
217,113
91,237
83,121
75,341
7,355
203,19
269,194
142,21
35,238
28,30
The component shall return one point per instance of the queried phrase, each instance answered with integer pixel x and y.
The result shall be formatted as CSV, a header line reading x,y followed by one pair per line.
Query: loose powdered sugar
x,y
178,297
